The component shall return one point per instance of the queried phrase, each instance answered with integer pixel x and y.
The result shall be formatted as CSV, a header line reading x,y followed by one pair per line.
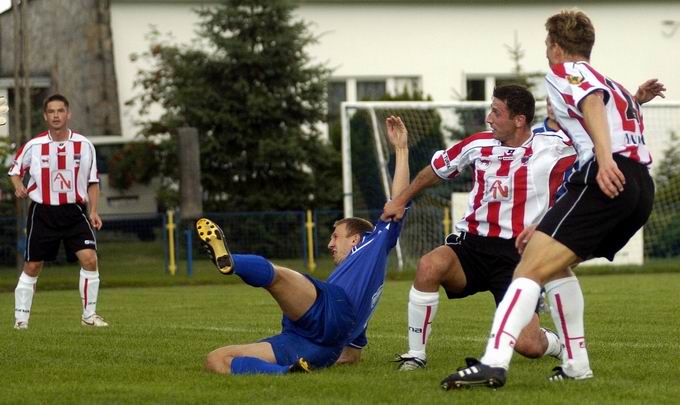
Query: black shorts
x,y
593,225
488,263
48,225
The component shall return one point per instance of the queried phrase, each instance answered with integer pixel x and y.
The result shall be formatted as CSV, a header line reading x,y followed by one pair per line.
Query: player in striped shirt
x,y
63,187
324,322
609,197
515,175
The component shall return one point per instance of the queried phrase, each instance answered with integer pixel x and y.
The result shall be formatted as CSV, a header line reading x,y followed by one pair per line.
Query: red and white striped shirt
x,y
60,172
569,83
512,187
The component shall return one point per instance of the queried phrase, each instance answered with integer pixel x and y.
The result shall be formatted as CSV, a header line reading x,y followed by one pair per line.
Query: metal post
x,y
27,71
447,221
190,259
166,253
311,264
17,131
172,264
346,164
191,192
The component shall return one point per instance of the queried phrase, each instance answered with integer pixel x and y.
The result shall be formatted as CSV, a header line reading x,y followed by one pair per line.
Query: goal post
x,y
368,164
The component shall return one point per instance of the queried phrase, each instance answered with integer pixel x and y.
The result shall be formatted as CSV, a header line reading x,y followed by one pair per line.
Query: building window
x,y
370,89
475,90
479,87
337,93
39,90
363,89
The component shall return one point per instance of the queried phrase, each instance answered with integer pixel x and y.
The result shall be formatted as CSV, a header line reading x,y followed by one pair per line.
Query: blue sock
x,y
254,270
253,365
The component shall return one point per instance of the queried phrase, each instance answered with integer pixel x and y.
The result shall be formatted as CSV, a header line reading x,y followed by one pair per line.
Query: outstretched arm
x,y
648,90
398,136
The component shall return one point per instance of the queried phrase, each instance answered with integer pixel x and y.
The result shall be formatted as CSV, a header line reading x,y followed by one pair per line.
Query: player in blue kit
x,y
324,322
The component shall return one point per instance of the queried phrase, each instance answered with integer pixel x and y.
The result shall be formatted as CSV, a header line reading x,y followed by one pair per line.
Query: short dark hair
x,y
55,97
355,225
519,100
573,31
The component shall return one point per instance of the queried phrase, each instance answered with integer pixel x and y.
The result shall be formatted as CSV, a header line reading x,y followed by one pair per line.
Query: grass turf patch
x,y
154,350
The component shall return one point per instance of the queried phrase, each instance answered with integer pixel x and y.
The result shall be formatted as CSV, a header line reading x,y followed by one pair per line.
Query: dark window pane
x,y
370,90
476,89
105,153
337,93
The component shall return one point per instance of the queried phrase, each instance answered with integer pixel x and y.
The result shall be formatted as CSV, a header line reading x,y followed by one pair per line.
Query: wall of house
x,y
441,44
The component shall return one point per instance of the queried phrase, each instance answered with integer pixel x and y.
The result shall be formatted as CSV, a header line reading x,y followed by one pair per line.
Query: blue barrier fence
x,y
276,235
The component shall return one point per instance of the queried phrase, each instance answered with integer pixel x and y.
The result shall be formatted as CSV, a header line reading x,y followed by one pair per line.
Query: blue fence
x,y
277,235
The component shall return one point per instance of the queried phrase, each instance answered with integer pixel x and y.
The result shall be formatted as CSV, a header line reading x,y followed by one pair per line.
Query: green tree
x,y
662,232
519,76
252,91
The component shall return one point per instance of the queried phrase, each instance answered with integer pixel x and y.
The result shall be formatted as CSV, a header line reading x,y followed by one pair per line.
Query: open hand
x,y
396,132
648,90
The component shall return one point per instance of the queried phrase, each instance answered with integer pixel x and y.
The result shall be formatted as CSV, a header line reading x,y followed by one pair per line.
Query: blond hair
x,y
354,225
573,31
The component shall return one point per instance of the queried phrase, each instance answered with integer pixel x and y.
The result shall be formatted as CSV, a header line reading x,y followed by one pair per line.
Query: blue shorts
x,y
321,333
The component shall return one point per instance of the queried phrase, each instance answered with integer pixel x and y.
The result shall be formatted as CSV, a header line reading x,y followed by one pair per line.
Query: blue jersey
x,y
362,274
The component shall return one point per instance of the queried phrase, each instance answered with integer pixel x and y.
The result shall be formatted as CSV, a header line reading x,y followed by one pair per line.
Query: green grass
x,y
154,350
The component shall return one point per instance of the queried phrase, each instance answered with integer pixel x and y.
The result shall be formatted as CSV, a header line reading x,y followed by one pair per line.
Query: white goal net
x,y
368,164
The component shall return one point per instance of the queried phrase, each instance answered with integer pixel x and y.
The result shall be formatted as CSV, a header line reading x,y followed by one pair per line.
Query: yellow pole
x,y
447,222
172,265
311,264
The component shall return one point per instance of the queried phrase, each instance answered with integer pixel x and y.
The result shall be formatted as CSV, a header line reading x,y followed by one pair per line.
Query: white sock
x,y
422,307
89,290
512,315
23,297
566,308
554,346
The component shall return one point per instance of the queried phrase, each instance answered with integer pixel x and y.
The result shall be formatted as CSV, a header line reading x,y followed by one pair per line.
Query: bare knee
x,y
33,268
88,259
219,361
532,349
435,267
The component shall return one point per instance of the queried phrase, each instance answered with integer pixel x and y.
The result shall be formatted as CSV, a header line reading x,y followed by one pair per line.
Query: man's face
x,y
552,50
56,115
502,126
341,244
551,113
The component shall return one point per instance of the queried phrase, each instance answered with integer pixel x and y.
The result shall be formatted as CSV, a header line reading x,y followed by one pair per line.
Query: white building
x,y
449,49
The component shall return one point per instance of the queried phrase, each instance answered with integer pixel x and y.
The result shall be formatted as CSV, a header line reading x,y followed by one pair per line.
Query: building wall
x,y
440,42
71,44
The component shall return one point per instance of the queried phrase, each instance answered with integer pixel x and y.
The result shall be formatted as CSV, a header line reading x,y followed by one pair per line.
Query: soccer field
x,y
154,350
